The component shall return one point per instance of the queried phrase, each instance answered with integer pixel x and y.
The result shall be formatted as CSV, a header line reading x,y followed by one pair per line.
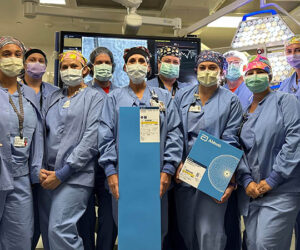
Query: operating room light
x,y
265,30
280,67
226,22
61,2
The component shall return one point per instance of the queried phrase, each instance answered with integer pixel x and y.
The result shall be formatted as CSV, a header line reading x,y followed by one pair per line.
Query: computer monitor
x,y
87,42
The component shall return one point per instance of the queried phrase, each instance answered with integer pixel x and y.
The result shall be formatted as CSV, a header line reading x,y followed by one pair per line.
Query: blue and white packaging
x,y
210,165
139,213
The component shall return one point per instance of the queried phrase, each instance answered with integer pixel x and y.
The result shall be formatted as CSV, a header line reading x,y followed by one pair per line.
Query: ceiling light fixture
x,y
60,2
267,30
226,22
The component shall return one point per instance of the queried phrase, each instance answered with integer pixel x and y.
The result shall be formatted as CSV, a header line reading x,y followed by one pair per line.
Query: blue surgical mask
x,y
257,83
103,72
169,70
234,72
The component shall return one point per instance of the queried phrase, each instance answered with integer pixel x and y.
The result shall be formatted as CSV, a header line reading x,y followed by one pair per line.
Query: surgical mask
x,y
11,66
103,72
137,73
234,72
208,78
36,70
71,77
169,70
294,61
257,83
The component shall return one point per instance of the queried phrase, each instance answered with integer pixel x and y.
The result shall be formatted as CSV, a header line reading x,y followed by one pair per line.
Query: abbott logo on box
x,y
204,138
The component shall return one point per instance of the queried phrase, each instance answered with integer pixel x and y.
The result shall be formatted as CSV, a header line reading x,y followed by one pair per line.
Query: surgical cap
x,y
293,40
4,40
259,62
101,50
234,53
32,51
211,56
73,54
169,51
136,50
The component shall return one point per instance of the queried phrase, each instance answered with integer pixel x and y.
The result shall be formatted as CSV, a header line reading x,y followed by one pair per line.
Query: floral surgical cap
x,y
168,51
73,54
293,40
212,56
259,62
4,40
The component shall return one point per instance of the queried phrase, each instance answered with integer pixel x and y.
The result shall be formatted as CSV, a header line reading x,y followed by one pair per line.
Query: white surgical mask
x,y
103,72
71,77
11,66
137,73
208,78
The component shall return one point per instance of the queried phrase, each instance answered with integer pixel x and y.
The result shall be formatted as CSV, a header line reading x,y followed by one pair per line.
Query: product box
x,y
139,219
210,165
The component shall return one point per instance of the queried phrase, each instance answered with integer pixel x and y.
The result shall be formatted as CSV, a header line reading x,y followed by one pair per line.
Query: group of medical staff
x,y
59,148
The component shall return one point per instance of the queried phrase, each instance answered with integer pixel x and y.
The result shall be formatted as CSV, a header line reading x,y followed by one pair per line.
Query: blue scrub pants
x,y
87,223
37,231
270,221
173,240
233,224
60,211
16,222
200,219
107,229
297,232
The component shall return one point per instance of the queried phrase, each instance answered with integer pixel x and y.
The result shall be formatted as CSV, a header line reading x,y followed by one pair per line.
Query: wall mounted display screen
x,y
87,42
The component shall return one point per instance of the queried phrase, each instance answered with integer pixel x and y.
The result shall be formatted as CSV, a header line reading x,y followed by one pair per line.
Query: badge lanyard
x,y
155,102
174,88
21,113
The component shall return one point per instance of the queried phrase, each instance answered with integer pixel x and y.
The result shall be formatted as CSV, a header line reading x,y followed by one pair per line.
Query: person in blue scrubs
x,y
21,149
168,63
292,52
236,61
269,198
35,63
71,121
217,111
291,85
139,94
102,68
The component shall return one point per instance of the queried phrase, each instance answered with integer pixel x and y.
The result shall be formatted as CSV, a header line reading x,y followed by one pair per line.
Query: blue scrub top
x,y
20,161
94,85
220,116
155,83
170,134
289,85
71,134
244,94
47,90
273,132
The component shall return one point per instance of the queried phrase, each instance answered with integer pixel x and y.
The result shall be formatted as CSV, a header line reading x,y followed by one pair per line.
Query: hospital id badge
x,y
158,104
195,108
66,104
20,142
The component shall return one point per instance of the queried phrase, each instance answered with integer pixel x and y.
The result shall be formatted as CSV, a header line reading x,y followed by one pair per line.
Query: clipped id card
x,y
195,108
20,142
